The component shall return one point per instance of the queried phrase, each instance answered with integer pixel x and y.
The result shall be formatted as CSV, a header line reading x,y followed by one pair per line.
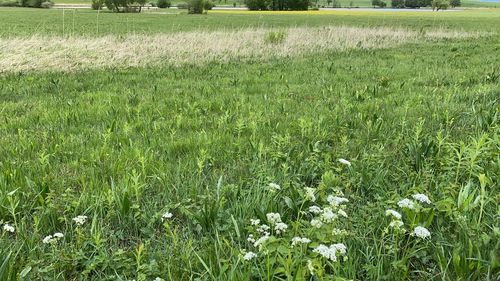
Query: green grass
x,y
123,146
26,22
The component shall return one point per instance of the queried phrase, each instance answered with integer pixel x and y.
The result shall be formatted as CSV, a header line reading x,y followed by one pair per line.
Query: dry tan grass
x,y
77,53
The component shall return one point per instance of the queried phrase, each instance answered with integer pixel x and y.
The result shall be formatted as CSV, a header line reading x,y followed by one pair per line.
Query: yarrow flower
x,y
9,228
158,279
328,216
167,215
406,203
300,240
280,227
261,241
254,221
250,238
331,252
345,162
336,201
249,256
393,213
316,223
263,228
315,209
422,198
274,187
273,218
342,213
52,239
80,220
421,232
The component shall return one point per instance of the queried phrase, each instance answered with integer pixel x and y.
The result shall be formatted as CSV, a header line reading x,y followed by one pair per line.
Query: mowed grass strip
x,y
76,53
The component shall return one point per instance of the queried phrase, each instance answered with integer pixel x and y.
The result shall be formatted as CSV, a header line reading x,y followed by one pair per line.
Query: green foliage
x,y
97,4
398,3
9,3
164,4
294,5
440,4
208,5
125,5
203,142
196,6
379,3
455,3
257,4
182,6
275,37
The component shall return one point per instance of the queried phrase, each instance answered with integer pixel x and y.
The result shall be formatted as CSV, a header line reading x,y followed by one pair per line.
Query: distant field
x,y
343,3
318,145
25,22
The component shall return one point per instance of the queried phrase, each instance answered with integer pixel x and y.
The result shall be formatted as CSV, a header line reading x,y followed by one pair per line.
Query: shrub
x,y
297,5
208,5
257,4
378,3
440,5
97,4
412,3
125,5
455,3
46,5
195,6
163,4
9,3
398,3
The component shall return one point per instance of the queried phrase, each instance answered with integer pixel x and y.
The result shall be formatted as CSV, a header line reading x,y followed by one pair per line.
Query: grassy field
x,y
329,119
343,3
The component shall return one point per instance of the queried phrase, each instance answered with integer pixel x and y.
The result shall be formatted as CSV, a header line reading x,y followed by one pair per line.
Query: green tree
x,y
455,3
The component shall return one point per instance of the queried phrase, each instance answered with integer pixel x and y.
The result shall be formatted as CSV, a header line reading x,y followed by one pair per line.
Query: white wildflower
x,y
9,228
280,227
80,220
251,239
310,194
273,218
47,239
328,215
327,252
396,224
336,201
58,235
315,209
167,215
421,232
249,256
331,252
159,279
406,203
342,213
393,213
274,187
263,228
341,248
345,162
261,241
316,223
254,221
300,240
422,198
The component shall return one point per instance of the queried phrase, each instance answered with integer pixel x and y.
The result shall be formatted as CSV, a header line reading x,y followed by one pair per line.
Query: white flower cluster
x,y
336,200
9,228
421,232
249,256
166,216
331,251
315,209
300,240
329,213
345,162
80,220
52,239
274,219
396,217
159,279
274,187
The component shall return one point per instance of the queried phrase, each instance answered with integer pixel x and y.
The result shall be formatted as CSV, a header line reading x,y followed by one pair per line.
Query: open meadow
x,y
237,145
